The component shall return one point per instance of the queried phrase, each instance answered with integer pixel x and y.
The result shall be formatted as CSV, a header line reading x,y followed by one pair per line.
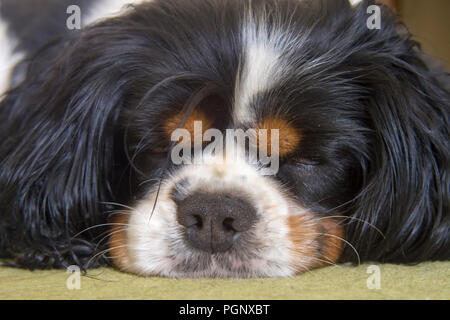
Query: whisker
x,y
147,181
295,270
118,212
327,261
94,227
343,240
119,205
189,107
145,98
357,219
102,253
110,234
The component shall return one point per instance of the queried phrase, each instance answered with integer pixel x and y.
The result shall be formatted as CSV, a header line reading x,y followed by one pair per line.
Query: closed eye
x,y
306,165
307,162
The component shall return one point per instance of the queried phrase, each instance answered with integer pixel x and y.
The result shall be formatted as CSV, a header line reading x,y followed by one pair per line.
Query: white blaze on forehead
x,y
264,47
8,57
257,75
106,9
259,66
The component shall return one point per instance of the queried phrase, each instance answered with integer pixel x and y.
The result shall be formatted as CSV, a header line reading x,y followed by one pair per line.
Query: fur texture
x,y
81,136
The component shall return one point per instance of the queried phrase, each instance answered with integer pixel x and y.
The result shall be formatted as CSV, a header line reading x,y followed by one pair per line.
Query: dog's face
x,y
223,217
257,67
343,158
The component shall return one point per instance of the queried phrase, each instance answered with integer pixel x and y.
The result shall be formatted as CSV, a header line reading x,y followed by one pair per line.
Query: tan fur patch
x,y
289,136
118,242
333,235
174,122
302,234
316,242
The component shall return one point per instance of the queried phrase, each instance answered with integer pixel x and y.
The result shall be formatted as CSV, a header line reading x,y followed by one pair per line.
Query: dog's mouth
x,y
312,243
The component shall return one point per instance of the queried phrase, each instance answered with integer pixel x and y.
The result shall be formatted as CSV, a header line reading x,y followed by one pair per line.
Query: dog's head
x,y
352,123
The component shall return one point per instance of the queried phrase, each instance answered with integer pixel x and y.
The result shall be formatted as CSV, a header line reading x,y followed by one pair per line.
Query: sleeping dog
x,y
354,117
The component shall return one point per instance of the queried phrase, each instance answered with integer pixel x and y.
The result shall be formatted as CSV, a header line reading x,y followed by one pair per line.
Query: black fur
x,y
79,133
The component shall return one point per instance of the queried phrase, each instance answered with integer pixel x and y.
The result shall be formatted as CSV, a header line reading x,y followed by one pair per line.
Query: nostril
x,y
198,221
215,222
192,220
228,224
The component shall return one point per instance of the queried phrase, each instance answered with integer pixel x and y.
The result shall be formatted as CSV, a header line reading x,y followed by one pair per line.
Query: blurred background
x,y
429,22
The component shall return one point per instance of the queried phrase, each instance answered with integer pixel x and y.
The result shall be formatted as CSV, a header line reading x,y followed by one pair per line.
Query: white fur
x,y
261,67
259,74
354,2
265,51
106,9
263,48
8,57
155,243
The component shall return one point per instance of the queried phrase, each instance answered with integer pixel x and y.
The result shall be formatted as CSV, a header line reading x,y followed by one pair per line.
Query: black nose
x,y
215,222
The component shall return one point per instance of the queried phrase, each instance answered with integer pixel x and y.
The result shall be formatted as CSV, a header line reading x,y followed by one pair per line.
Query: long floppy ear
x,y
405,194
57,151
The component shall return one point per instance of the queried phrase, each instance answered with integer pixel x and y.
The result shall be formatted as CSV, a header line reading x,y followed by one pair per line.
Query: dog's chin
x,y
312,243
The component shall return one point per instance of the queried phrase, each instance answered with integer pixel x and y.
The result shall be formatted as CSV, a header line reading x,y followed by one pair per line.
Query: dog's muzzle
x,y
214,223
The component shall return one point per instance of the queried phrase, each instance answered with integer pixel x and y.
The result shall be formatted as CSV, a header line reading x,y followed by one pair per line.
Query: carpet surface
x,y
423,281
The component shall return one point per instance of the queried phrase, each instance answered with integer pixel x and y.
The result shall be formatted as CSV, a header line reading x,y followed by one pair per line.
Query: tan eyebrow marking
x,y
118,242
290,136
333,233
175,122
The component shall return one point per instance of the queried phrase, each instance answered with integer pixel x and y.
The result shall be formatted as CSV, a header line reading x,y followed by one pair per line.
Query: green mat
x,y
423,281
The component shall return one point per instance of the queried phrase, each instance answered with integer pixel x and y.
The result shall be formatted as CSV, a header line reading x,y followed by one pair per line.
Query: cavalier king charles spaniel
x,y
88,115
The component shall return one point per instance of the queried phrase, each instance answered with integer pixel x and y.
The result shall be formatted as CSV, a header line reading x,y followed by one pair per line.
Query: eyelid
x,y
307,162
